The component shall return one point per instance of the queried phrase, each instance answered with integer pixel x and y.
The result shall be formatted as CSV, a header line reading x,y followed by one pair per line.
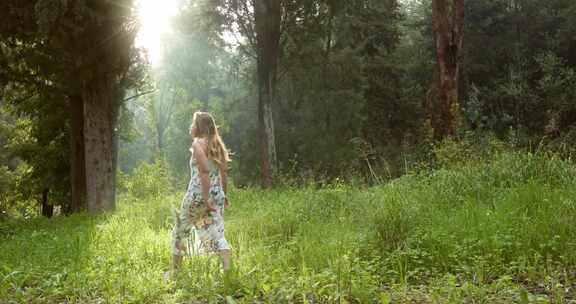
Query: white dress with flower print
x,y
208,227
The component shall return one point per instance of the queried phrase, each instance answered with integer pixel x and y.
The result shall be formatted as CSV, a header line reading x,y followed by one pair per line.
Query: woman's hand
x,y
226,203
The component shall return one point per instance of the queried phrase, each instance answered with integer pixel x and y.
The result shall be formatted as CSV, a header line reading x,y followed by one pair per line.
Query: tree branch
x,y
138,95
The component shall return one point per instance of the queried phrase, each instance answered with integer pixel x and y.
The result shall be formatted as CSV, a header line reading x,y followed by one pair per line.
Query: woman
x,y
205,200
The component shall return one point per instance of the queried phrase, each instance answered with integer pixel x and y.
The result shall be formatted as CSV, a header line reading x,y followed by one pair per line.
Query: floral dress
x,y
208,226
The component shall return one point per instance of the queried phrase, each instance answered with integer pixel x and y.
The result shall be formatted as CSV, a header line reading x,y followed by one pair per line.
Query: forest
x,y
383,151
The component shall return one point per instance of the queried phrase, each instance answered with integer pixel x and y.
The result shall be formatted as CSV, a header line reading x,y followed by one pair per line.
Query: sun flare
x,y
154,16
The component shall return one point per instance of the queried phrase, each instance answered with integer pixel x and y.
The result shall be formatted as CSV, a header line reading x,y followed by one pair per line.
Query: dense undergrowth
x,y
491,230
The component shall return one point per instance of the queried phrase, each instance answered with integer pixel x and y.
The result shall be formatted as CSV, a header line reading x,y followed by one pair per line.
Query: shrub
x,y
147,180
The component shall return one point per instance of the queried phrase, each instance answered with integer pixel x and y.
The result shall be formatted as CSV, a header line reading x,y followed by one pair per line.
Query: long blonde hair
x,y
205,127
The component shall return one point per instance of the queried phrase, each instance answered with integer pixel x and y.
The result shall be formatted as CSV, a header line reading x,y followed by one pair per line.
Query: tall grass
x,y
496,231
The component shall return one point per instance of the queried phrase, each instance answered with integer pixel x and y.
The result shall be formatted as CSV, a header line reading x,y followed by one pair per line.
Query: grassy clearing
x,y
490,232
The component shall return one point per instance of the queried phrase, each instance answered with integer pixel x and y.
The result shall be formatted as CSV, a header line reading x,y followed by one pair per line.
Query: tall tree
x,y
77,154
97,38
80,53
267,20
448,26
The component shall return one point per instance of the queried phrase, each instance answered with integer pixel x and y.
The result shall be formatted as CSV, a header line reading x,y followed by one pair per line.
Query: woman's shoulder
x,y
199,144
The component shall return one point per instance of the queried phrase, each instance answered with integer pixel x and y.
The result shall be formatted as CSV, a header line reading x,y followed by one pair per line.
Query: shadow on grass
x,y
43,253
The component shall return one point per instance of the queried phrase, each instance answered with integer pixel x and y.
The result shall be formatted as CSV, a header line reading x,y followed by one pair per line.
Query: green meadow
x,y
495,231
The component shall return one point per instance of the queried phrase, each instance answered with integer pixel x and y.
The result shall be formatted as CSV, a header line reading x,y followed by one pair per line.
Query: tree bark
x,y
325,68
267,17
448,25
77,161
100,143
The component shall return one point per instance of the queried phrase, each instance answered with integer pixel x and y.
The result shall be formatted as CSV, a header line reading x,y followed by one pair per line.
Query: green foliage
x,y
197,73
353,78
148,180
558,84
514,78
6,187
471,149
32,159
360,72
340,79
491,231
16,198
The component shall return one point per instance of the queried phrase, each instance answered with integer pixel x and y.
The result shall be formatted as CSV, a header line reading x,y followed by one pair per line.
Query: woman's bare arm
x,y
203,170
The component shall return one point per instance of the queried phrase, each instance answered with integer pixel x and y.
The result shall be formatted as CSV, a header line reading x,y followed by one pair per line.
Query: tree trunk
x,y
267,17
448,25
100,142
325,68
77,161
160,138
267,143
118,95
47,209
